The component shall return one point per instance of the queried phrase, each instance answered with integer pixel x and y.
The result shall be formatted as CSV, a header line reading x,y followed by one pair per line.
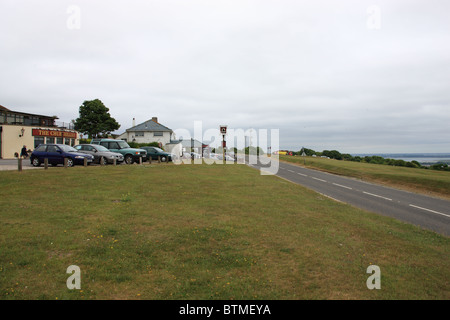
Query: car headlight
x,y
79,157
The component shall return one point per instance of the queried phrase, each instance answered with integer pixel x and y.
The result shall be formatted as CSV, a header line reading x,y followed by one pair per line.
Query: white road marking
x,y
319,179
305,175
442,214
291,171
331,198
340,185
375,195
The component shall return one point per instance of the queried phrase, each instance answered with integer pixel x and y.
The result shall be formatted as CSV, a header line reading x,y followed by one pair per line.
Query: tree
x,y
94,119
333,154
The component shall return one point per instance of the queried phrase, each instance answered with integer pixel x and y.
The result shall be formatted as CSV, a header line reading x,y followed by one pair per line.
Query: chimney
x,y
134,122
155,119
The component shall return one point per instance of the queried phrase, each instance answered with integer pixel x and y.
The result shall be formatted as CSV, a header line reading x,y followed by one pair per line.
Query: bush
x,y
85,141
138,145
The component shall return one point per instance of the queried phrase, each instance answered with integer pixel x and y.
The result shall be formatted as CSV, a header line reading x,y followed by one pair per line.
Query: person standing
x,y
24,152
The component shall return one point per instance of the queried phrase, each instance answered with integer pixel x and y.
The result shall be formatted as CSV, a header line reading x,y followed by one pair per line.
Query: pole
x,y
192,150
223,148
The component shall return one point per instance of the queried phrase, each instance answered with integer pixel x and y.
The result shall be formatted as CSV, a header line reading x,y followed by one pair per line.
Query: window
x,y
139,134
38,141
35,121
19,119
157,134
10,118
114,145
52,149
67,141
40,148
59,140
50,140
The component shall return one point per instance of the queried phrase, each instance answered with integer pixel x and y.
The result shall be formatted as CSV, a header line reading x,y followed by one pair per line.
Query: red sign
x,y
54,133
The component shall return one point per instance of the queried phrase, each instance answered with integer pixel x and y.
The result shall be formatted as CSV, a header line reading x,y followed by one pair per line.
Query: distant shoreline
x,y
422,158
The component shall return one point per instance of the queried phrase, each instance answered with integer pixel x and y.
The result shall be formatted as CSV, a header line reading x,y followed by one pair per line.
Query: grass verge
x,y
431,182
202,232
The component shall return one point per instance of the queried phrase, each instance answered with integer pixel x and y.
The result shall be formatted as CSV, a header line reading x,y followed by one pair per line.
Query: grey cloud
x,y
312,69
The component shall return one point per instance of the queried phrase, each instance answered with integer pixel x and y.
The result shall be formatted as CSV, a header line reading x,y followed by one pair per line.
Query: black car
x,y
154,153
56,153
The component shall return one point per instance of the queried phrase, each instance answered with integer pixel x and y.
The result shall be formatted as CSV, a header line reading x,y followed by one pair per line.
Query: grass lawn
x,y
431,182
164,231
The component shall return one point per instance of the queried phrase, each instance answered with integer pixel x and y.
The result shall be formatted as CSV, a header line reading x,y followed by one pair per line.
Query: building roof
x,y
149,125
188,143
2,108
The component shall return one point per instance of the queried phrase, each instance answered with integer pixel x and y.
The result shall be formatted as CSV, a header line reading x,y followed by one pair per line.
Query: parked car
x,y
100,153
56,153
130,155
195,155
213,156
154,153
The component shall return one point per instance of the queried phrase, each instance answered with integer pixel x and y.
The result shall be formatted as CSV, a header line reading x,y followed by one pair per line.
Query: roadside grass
x,y
431,182
202,232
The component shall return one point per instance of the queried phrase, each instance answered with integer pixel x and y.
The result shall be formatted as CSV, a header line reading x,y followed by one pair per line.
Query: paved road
x,y
424,211
11,164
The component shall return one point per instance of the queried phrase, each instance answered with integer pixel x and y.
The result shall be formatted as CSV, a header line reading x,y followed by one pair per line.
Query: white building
x,y
180,147
147,132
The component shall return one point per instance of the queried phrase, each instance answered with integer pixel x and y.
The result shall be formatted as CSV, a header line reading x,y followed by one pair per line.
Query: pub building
x,y
18,129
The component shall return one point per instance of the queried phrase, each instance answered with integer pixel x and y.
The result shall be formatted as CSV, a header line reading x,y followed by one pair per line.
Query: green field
x,y
431,182
164,231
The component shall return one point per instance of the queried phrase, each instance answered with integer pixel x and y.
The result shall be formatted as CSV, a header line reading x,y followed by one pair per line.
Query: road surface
x,y
424,211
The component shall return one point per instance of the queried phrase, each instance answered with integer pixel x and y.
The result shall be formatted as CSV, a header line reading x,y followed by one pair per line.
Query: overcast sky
x,y
356,76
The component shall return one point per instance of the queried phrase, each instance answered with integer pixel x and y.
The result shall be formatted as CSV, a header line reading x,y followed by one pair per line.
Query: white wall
x,y
147,138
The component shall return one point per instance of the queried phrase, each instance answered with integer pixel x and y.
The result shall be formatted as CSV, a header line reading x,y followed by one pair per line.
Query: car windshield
x,y
123,144
101,149
158,149
67,148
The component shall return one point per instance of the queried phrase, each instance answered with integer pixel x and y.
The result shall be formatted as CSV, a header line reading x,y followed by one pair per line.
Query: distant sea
x,y
422,158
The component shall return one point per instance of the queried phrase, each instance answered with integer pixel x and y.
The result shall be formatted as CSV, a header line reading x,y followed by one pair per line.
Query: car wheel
x,y
102,161
129,159
163,159
70,162
36,162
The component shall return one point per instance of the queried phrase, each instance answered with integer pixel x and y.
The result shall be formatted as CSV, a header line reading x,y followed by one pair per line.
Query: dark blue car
x,y
56,153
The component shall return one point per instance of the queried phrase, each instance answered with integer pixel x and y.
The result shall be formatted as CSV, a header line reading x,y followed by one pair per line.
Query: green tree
x,y
94,119
333,154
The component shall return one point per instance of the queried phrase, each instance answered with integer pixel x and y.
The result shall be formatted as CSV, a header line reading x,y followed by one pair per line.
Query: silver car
x,y
100,153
